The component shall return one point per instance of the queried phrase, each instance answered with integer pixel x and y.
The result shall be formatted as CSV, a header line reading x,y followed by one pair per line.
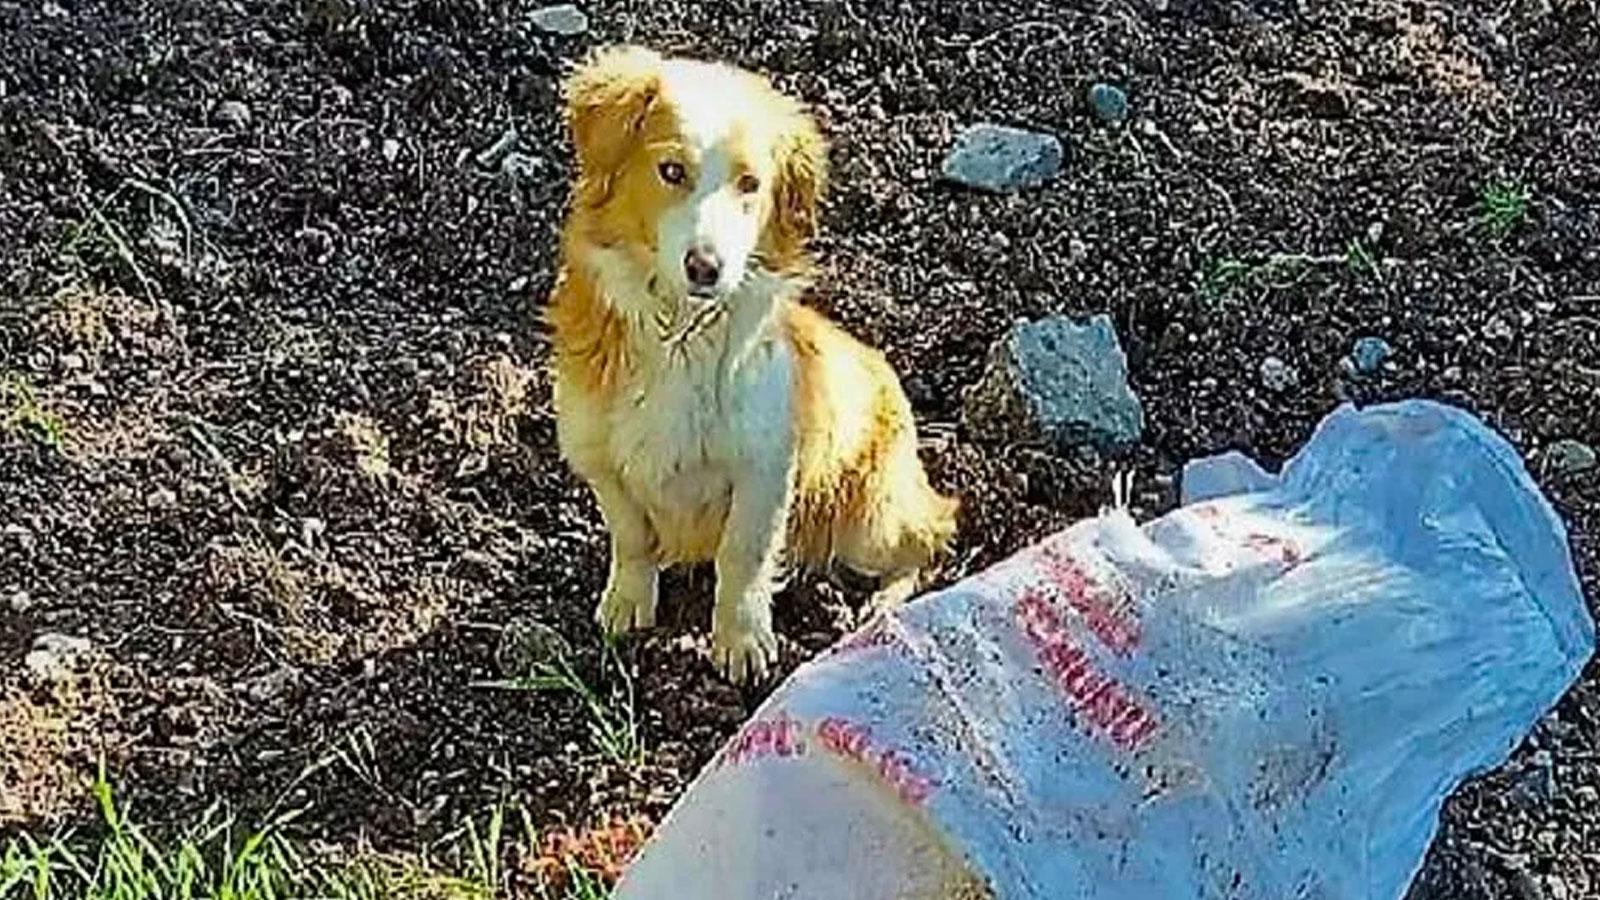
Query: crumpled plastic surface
x,y
1265,694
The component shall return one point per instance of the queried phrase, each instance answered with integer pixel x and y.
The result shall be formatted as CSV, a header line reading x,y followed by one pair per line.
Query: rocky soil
x,y
278,484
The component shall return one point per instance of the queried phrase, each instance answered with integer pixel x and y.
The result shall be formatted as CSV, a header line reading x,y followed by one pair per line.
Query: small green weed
x,y
1360,258
613,722
582,884
1221,276
1502,207
22,413
1227,275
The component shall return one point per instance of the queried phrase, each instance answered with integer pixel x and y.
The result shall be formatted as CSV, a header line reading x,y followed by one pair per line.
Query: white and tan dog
x,y
714,416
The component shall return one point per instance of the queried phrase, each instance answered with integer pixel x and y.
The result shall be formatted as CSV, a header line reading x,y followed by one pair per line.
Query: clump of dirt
x,y
58,714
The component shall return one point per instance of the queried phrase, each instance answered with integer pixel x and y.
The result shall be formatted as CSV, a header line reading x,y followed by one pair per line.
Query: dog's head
x,y
700,174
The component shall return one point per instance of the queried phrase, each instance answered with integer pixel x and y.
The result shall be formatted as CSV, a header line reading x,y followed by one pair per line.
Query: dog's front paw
x,y
743,646
628,603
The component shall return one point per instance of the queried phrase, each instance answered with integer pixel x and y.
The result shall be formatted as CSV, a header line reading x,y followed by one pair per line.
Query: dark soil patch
x,y
304,476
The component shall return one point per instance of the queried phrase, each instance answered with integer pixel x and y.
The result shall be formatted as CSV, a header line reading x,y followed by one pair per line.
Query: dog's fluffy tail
x,y
926,522
938,517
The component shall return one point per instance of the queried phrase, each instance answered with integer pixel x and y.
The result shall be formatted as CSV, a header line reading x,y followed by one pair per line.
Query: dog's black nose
x,y
702,267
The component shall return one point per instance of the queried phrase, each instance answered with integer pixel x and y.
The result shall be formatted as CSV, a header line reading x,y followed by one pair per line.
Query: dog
x,y
714,416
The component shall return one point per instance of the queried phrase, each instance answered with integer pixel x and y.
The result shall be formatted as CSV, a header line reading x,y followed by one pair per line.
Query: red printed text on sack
x,y
853,740
777,735
1107,611
1104,704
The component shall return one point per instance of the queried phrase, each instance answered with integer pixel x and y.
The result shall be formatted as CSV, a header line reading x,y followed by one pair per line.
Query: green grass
x,y
613,721
581,885
1360,258
1227,276
1502,207
22,413
215,859
1222,276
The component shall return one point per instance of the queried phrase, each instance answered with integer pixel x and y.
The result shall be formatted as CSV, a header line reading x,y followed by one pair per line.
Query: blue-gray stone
x,y
1002,159
1369,355
1109,102
1057,382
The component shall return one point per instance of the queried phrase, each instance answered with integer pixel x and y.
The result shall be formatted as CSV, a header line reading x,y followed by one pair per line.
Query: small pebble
x,y
521,166
233,114
1571,457
161,498
21,602
1525,885
1277,375
1535,784
563,19
1109,103
270,686
1369,355
526,644
391,149
488,156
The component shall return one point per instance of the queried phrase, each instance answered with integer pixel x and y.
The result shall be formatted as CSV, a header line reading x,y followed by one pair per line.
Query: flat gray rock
x,y
1002,159
564,18
1058,382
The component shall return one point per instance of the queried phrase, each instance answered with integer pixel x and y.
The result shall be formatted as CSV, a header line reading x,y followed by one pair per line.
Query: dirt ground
x,y
276,434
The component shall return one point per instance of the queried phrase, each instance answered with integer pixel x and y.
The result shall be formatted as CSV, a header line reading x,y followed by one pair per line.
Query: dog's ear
x,y
607,98
802,178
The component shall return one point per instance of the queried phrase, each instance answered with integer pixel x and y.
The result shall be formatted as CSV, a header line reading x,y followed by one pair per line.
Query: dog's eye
x,y
671,172
749,184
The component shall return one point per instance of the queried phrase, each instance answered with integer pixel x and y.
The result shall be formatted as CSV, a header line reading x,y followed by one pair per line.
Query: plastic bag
x,y
1265,694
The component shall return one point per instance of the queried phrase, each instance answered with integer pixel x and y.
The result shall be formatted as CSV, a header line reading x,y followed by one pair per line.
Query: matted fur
x,y
740,429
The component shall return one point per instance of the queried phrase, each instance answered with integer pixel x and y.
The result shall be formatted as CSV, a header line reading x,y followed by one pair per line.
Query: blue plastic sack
x,y
1264,694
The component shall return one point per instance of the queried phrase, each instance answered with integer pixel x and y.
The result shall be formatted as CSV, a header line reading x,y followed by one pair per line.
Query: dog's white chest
x,y
692,427
673,423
